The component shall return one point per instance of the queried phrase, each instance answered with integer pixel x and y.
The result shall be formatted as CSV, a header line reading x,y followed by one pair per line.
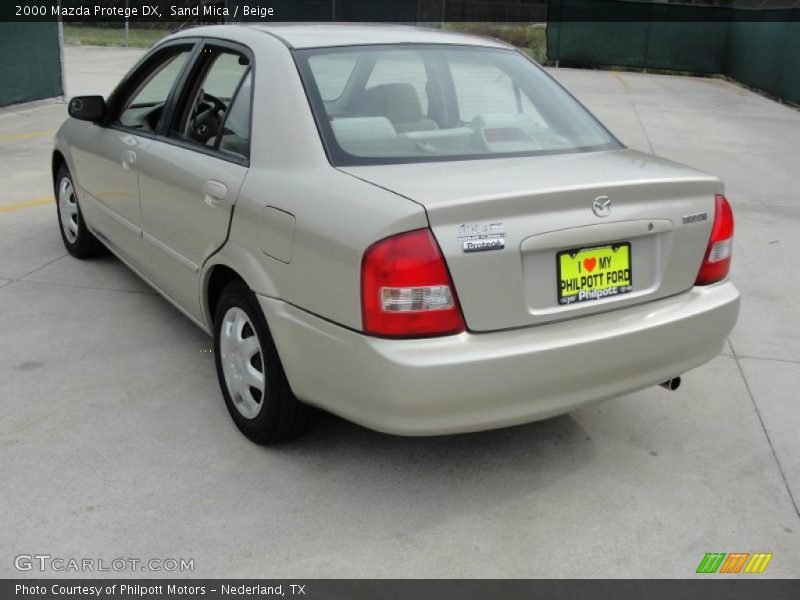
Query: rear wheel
x,y
78,240
250,373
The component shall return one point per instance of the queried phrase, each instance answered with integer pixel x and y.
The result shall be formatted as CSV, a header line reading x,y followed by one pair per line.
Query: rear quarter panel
x,y
336,216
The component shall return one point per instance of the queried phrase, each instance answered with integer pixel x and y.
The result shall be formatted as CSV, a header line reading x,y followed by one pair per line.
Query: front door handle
x,y
128,159
214,192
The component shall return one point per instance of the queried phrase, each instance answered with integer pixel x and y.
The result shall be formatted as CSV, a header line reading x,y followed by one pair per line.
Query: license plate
x,y
594,273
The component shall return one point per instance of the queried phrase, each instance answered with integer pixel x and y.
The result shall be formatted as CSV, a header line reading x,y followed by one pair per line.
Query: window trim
x,y
338,157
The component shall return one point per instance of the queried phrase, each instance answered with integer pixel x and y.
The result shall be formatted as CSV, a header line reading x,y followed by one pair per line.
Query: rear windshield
x,y
400,103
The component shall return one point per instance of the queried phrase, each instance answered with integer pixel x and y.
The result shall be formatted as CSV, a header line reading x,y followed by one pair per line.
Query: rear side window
x,y
205,108
235,137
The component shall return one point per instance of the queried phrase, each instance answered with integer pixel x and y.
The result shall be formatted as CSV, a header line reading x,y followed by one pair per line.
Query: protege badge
x,y
482,245
480,237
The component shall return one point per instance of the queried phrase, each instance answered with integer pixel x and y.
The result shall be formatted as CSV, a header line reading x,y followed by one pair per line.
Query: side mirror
x,y
87,108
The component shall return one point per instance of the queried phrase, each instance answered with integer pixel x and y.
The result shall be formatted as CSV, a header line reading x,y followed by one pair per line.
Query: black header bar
x,y
178,13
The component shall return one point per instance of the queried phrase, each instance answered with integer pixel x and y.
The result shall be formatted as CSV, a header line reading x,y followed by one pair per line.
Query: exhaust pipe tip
x,y
671,384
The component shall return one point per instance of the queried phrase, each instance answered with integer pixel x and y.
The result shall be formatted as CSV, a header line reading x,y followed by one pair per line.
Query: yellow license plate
x,y
594,273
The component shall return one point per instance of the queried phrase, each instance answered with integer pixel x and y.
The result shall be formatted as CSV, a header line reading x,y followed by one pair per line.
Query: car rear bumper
x,y
480,381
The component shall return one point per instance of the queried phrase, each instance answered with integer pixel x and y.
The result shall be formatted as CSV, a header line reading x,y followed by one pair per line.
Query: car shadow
x,y
422,481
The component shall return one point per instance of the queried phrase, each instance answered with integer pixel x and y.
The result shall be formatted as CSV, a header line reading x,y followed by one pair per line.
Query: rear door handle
x,y
128,159
214,192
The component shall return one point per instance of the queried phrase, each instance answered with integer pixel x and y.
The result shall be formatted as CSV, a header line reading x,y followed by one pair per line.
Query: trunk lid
x,y
525,211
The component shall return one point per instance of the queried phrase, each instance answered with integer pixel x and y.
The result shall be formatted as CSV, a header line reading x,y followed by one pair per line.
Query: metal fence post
x,y
63,97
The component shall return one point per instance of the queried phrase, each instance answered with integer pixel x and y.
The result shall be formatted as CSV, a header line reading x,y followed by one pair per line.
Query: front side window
x,y
214,108
436,102
142,107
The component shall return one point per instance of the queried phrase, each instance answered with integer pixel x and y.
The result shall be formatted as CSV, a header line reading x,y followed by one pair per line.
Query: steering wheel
x,y
212,102
208,118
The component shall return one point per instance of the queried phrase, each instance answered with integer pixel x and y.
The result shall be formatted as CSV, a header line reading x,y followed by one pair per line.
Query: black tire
x,y
85,245
282,416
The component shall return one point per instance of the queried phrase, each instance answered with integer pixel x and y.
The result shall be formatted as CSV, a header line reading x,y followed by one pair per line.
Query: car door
x,y
106,156
191,174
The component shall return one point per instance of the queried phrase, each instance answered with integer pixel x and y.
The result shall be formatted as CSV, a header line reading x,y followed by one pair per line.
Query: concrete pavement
x,y
116,443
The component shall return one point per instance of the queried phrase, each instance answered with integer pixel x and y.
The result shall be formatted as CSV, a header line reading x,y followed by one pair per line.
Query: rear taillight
x,y
717,261
406,289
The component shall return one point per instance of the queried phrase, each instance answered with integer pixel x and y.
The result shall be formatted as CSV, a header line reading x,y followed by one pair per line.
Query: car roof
x,y
326,35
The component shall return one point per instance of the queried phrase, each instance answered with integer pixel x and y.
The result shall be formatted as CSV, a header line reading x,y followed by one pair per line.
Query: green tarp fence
x,y
30,62
758,48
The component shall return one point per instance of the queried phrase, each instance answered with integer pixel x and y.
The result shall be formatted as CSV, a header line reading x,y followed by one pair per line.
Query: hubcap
x,y
68,207
242,363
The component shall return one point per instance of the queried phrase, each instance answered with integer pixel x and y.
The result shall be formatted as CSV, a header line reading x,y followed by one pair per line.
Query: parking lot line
x,y
27,203
619,78
26,136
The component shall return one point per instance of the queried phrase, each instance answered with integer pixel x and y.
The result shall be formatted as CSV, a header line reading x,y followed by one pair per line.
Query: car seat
x,y
398,102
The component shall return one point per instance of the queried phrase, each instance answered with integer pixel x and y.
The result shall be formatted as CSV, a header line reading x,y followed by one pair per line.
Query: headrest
x,y
399,102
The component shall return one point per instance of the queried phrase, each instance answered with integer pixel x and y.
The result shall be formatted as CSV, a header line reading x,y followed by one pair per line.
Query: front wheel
x,y
78,240
250,373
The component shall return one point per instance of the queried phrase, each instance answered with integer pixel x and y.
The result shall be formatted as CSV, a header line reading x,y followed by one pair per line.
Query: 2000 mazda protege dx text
x,y
419,231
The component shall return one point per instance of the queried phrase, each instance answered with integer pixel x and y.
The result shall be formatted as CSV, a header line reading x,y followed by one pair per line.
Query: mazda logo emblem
x,y
602,206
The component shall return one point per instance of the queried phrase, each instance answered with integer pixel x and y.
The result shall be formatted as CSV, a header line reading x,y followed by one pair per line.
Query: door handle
x,y
214,192
128,159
